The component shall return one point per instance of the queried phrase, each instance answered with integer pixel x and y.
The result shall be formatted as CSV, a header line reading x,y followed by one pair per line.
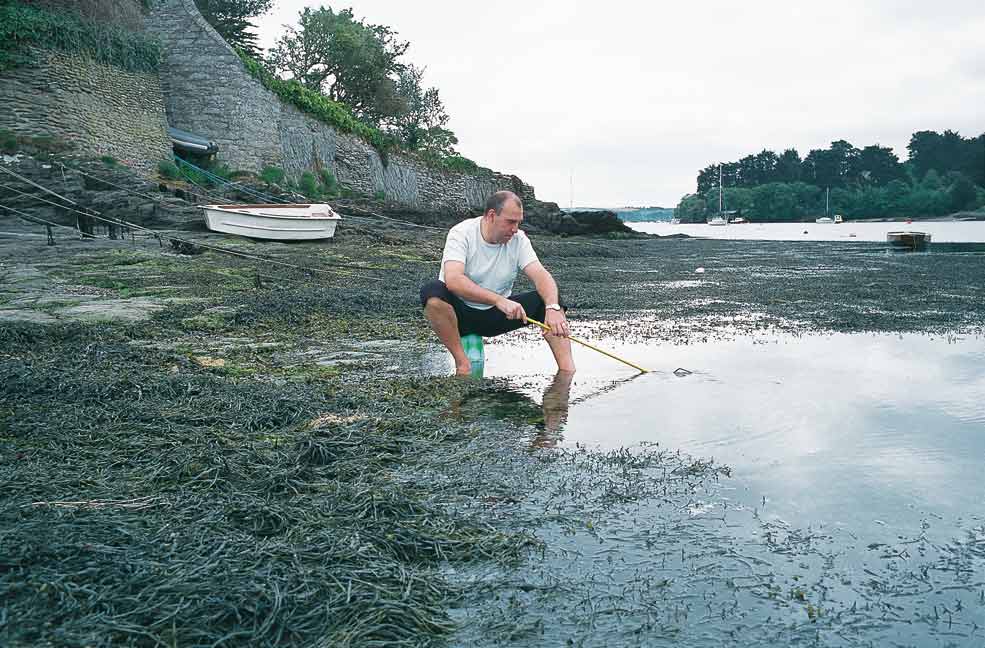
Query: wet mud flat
x,y
204,449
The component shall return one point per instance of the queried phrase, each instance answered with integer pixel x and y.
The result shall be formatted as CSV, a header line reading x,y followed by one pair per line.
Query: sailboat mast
x,y
719,188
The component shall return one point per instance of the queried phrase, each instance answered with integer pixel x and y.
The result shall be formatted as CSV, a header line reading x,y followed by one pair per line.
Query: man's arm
x,y
547,289
460,284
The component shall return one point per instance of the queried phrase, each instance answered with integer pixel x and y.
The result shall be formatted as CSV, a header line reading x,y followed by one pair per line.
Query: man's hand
x,y
558,323
513,310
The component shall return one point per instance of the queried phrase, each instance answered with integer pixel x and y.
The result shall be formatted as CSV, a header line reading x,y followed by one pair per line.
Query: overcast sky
x,y
626,101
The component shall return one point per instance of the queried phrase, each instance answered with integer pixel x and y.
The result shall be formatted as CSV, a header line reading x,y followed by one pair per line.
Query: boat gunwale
x,y
232,209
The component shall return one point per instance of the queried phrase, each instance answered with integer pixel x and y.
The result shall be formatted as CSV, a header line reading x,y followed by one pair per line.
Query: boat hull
x,y
908,240
273,222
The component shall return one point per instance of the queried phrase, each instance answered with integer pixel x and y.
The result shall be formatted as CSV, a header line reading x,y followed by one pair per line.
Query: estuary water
x,y
941,231
865,430
853,513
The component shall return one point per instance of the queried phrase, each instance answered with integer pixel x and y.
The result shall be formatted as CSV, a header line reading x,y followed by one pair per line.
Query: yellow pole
x,y
593,348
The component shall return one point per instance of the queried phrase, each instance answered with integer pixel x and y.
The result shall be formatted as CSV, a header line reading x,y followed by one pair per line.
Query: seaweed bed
x,y
201,449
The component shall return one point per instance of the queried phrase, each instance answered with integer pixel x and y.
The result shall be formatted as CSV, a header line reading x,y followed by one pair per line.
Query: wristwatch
x,y
556,307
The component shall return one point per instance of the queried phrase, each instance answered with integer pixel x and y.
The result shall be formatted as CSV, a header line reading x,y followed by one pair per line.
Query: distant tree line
x,y
348,61
945,173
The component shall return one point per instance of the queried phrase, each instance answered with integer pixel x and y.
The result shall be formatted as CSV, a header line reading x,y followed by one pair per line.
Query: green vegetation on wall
x,y
319,106
339,116
458,163
23,28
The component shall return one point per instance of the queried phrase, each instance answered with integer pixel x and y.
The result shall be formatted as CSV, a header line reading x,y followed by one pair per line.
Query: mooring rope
x,y
35,184
160,235
36,219
228,183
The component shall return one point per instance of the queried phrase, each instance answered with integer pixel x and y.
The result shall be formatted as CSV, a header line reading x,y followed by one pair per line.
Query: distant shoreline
x,y
957,218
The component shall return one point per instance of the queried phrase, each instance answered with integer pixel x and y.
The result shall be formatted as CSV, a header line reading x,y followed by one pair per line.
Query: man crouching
x,y
473,292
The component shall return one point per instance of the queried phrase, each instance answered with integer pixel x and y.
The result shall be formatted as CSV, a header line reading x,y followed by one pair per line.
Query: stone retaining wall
x,y
209,92
100,109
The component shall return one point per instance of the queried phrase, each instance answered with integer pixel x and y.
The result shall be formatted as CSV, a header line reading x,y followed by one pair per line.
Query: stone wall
x,y
101,110
209,92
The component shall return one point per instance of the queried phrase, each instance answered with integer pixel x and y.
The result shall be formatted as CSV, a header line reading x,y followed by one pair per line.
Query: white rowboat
x,y
291,222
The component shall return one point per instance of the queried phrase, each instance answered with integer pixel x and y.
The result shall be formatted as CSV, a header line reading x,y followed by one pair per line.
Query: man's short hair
x,y
497,201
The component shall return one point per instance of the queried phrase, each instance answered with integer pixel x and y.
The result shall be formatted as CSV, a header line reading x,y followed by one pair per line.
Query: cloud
x,y
637,98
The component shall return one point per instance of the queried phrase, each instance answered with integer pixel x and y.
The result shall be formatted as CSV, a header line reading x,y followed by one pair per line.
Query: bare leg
x,y
561,348
444,322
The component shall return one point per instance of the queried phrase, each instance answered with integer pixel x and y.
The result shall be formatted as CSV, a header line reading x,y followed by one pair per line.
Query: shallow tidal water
x,y
838,429
857,483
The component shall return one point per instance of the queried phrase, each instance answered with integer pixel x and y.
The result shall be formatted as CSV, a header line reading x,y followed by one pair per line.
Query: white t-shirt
x,y
492,266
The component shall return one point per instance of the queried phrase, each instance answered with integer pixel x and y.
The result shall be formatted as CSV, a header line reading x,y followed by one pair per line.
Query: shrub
x,y
8,142
308,185
219,169
458,163
25,27
329,184
272,175
168,169
109,160
379,195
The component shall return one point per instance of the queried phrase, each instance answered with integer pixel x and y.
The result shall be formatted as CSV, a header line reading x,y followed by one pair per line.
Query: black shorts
x,y
489,322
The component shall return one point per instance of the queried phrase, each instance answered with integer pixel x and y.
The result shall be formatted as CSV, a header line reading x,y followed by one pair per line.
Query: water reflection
x,y
844,429
500,402
555,406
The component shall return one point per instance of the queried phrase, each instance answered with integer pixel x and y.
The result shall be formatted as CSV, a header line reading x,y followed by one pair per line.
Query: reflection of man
x,y
473,292
555,410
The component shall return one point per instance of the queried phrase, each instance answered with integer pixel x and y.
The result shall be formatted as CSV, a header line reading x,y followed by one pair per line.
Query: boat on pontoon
x,y
275,222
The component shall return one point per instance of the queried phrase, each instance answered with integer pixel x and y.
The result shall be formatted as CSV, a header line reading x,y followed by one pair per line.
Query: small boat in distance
x,y
720,218
738,220
823,219
908,240
290,222
839,219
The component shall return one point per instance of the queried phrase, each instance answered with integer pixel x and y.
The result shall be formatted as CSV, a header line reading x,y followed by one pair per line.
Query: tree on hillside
x,y
788,166
422,124
948,151
345,59
876,165
962,191
707,179
830,167
231,19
